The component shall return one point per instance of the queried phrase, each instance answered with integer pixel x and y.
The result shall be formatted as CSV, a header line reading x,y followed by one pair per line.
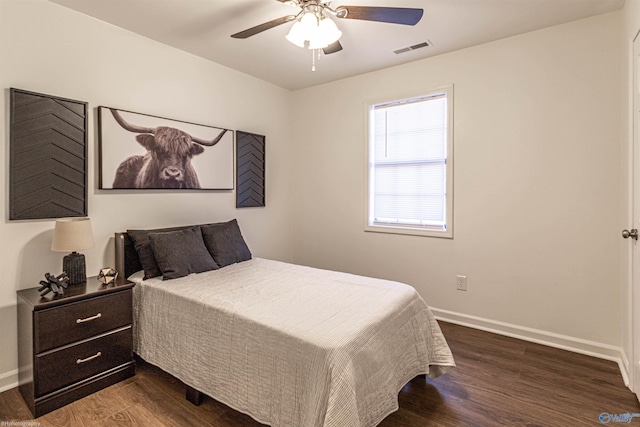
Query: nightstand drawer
x,y
60,368
63,325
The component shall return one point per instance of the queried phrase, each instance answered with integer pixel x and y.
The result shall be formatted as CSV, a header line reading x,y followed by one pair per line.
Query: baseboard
x,y
551,339
624,368
8,380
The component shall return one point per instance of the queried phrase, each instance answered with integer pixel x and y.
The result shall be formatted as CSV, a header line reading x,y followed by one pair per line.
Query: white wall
x,y
49,49
539,188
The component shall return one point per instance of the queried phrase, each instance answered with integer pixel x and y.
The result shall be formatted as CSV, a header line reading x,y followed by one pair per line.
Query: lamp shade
x,y
328,33
72,234
320,31
295,35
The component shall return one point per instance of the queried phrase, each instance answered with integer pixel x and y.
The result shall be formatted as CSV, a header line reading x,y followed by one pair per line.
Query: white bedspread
x,y
291,346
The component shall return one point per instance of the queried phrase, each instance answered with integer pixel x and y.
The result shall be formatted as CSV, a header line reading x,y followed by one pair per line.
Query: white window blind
x,y
408,177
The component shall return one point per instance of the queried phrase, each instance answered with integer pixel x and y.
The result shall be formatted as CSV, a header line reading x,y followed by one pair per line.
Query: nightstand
x,y
75,344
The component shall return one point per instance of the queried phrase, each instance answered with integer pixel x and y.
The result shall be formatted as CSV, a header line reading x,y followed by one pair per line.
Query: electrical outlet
x,y
461,283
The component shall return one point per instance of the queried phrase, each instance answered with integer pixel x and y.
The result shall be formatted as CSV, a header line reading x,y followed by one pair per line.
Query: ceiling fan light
x,y
319,31
309,26
317,44
296,35
305,29
329,31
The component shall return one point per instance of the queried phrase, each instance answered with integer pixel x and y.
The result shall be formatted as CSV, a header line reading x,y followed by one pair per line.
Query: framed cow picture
x,y
139,151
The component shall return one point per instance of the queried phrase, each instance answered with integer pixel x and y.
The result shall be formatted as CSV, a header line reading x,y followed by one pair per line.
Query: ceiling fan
x,y
314,28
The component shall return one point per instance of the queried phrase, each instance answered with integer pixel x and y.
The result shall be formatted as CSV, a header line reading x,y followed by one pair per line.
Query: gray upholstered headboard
x,y
127,261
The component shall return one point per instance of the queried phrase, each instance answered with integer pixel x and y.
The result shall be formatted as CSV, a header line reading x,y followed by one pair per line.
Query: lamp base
x,y
73,264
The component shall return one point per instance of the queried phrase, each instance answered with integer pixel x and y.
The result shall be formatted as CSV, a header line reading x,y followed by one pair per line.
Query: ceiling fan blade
x,y
263,27
392,15
332,48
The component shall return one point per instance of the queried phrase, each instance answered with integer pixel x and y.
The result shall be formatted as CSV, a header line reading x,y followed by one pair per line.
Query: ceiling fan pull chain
x,y
313,59
314,53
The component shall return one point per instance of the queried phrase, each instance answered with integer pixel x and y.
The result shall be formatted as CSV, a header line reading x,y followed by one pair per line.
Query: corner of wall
x,y
8,380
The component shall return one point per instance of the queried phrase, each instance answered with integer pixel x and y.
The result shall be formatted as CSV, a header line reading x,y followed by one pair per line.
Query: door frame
x,y
633,254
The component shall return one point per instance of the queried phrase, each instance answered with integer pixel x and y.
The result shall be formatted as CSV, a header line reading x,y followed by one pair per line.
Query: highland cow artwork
x,y
139,151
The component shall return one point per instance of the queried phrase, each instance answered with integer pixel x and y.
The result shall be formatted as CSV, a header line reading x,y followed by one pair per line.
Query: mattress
x,y
290,345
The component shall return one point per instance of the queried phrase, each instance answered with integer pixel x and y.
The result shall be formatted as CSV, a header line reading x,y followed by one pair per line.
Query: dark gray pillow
x,y
225,243
145,253
180,253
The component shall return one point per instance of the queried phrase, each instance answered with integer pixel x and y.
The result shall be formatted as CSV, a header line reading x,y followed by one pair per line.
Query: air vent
x,y
414,47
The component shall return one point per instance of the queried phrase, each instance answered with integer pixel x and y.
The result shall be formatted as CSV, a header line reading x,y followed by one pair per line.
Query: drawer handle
x,y
79,361
89,319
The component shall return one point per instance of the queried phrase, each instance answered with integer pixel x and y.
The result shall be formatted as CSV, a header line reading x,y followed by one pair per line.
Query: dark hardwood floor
x,y
498,381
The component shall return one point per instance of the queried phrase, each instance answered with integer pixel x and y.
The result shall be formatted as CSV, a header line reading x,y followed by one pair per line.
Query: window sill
x,y
447,234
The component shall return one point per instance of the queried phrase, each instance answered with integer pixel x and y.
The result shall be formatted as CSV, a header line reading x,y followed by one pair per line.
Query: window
x,y
411,165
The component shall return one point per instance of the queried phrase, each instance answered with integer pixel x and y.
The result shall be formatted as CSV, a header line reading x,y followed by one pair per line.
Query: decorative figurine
x,y
107,275
55,284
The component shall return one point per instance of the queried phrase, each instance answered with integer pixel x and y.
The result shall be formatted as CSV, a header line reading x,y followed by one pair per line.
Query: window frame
x,y
447,232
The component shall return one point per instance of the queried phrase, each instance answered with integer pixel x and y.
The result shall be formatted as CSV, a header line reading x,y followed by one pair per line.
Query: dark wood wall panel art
x,y
48,157
251,170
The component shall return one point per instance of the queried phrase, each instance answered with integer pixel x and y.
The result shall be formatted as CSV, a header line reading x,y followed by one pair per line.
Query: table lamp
x,y
73,235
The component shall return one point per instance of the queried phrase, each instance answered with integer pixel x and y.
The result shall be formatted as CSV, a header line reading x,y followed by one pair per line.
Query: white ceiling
x,y
203,27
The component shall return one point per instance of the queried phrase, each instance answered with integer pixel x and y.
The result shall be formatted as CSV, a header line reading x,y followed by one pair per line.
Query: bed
x,y
286,344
